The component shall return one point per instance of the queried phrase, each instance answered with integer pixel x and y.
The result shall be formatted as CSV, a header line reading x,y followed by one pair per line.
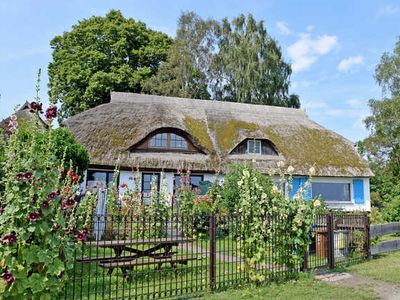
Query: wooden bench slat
x,y
87,259
147,261
115,243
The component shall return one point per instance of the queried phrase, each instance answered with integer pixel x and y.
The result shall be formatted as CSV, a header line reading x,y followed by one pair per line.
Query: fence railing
x,y
378,230
154,256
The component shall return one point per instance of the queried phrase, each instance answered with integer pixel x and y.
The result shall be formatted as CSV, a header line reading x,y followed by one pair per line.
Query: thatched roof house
x,y
111,131
164,134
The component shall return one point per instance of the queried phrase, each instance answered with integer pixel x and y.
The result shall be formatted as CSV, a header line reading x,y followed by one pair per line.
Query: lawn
x,y
385,267
305,288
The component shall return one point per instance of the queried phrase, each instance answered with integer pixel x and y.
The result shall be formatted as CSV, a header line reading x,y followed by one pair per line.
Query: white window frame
x,y
337,180
255,141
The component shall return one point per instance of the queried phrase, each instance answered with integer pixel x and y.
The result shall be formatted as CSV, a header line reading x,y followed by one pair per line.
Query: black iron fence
x,y
152,256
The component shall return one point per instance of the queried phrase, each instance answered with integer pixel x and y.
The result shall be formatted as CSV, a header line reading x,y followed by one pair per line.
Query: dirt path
x,y
383,290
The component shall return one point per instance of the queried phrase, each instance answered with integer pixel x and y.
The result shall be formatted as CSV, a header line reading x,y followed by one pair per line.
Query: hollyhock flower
x,y
124,185
75,178
45,204
34,106
8,277
52,195
33,216
51,112
13,124
10,238
20,176
81,237
34,198
28,176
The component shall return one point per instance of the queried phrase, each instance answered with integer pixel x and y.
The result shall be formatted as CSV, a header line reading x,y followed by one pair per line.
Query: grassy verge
x,y
305,288
385,267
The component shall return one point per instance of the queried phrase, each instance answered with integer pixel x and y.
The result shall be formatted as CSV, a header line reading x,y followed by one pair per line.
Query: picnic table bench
x,y
159,252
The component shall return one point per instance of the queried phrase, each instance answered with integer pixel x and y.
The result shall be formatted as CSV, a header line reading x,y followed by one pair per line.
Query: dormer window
x,y
166,140
255,146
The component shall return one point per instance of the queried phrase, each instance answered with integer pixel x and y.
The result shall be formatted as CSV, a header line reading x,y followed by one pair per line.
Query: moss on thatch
x,y
228,133
197,128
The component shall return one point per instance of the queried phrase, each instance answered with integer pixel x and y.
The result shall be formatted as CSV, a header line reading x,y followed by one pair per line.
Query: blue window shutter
x,y
308,195
297,183
358,188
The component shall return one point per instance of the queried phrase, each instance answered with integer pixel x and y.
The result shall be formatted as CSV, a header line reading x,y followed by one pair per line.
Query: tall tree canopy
x,y
382,146
103,54
231,61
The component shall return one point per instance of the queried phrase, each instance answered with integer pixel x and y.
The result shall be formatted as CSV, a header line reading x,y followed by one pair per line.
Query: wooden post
x,y
305,261
367,241
331,241
212,251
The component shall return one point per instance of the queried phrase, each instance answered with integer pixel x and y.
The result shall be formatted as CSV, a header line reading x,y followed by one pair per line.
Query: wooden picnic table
x,y
159,253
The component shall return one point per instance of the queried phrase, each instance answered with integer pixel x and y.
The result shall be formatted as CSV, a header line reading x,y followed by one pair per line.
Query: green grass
x,y
305,288
385,267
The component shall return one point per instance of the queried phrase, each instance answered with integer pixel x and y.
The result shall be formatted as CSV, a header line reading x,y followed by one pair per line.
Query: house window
x,y
177,142
159,140
330,191
168,140
194,181
99,179
254,146
147,180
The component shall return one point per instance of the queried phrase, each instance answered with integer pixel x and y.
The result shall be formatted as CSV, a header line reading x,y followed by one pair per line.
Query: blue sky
x,y
333,46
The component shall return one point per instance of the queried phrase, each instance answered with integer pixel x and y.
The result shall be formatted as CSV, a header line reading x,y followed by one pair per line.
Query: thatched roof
x,y
109,130
22,113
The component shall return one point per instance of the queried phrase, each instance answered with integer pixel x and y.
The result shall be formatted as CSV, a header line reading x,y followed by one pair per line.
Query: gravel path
x,y
383,290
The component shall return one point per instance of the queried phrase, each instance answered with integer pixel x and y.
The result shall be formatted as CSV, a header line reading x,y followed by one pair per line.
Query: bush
x,y
230,191
266,213
41,221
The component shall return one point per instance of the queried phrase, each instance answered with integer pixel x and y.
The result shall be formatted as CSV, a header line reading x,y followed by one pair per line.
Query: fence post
x,y
212,251
331,241
304,267
367,241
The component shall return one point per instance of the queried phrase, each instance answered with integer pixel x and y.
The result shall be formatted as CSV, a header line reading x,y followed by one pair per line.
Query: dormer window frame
x,y
255,146
167,140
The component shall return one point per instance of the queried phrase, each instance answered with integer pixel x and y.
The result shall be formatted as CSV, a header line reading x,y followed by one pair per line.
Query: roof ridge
x,y
117,97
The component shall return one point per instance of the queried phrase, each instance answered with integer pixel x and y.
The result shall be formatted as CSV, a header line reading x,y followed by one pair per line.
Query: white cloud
x,y
283,28
311,105
307,50
355,103
347,64
310,28
387,11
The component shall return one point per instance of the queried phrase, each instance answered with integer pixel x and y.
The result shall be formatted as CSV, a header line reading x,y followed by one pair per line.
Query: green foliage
x,y
267,214
70,150
100,55
232,61
391,212
230,191
41,221
376,216
185,73
382,146
387,72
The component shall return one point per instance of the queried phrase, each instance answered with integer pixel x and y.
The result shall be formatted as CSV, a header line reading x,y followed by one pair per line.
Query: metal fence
x,y
152,256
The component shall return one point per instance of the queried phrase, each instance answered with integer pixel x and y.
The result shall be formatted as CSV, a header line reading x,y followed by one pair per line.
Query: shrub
x,y
267,213
41,221
230,191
